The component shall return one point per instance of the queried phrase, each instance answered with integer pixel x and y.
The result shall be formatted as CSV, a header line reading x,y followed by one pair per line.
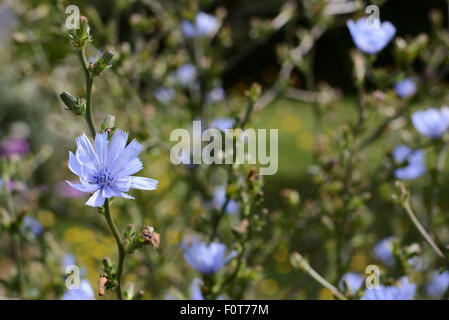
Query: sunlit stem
x,y
120,246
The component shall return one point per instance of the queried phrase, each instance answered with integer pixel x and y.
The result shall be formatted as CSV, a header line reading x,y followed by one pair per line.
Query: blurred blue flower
x,y
185,74
31,224
107,170
438,284
222,123
205,25
353,280
219,199
383,251
207,259
431,123
415,167
216,95
85,292
195,289
371,39
7,21
164,95
404,291
68,260
405,88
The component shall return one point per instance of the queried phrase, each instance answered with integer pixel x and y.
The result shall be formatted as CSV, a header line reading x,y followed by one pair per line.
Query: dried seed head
x,y
101,285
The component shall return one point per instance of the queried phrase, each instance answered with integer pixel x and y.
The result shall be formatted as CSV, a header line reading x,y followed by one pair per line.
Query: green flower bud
x,y
77,106
81,37
109,121
102,63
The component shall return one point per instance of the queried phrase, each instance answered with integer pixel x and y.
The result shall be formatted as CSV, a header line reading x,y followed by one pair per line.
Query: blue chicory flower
x,y
216,95
438,284
207,259
85,292
404,291
371,39
164,95
416,166
205,25
31,224
219,199
353,280
106,171
383,251
222,123
68,260
185,74
405,88
195,289
431,123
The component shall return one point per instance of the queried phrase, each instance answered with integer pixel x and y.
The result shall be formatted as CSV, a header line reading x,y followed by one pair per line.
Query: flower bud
x,y
77,106
81,37
107,56
109,121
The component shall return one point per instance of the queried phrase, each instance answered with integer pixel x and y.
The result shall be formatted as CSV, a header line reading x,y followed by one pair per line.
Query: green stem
x,y
120,246
89,81
14,235
19,265
299,262
426,236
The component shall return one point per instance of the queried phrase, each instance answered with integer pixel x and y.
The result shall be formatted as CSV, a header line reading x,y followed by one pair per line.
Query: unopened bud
x,y
73,104
109,121
107,56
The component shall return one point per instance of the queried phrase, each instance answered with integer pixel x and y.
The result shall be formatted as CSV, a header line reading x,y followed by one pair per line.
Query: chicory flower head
x,y
222,123
205,25
216,95
405,88
85,292
404,291
185,74
106,171
432,122
371,39
219,199
438,284
383,251
415,167
207,258
353,281
164,95
195,289
31,224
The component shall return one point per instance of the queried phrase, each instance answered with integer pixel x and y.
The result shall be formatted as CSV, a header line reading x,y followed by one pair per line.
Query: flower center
x,y
103,177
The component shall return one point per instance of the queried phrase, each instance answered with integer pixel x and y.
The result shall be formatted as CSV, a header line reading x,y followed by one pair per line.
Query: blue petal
x,y
126,196
85,153
83,187
97,200
131,167
131,151
143,183
74,164
109,192
117,146
101,147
